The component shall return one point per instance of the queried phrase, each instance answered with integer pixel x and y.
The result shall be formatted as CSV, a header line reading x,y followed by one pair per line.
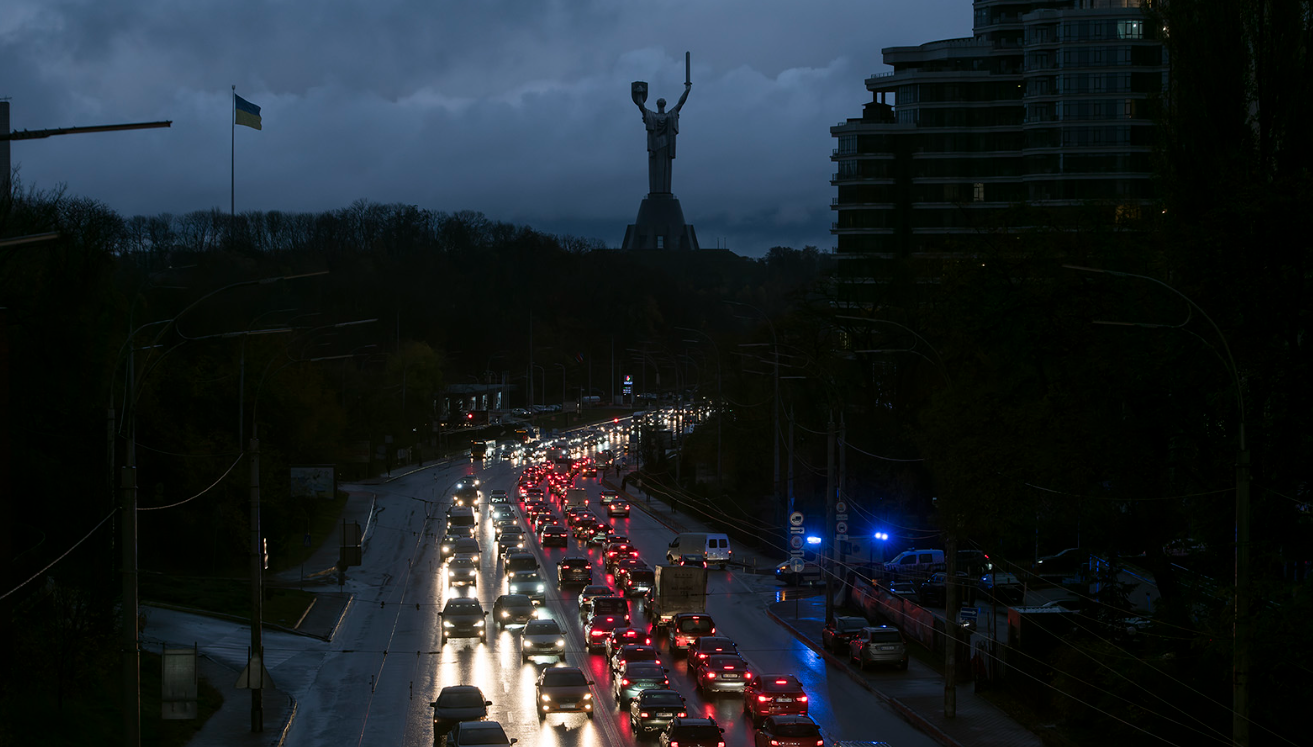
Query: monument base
x,y
660,225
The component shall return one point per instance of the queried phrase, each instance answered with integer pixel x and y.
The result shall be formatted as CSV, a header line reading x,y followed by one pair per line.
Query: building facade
x,y
1051,104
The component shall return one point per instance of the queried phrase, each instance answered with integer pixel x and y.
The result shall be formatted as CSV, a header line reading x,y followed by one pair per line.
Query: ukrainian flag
x,y
247,113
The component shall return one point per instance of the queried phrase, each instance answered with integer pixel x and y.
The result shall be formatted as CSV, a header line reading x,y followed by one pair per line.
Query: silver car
x,y
542,638
878,645
463,570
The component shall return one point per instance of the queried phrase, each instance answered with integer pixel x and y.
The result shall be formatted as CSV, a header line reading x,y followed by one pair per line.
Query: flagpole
x,y
232,164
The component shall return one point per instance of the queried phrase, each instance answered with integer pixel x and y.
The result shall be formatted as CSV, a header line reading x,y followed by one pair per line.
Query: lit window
x,y
978,192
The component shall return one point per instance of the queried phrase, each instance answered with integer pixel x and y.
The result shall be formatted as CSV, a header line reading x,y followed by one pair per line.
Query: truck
x,y
575,497
676,589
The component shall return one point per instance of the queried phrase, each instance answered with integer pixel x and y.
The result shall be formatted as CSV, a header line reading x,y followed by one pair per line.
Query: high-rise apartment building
x,y
1049,103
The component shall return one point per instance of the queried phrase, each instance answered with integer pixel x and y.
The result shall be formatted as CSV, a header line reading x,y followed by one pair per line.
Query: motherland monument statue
x,y
660,223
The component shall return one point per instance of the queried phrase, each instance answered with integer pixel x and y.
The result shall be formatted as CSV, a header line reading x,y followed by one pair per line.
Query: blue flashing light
x,y
882,536
813,540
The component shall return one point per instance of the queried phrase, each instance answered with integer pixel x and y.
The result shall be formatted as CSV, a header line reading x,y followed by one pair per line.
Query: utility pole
x,y
950,625
129,643
255,667
842,495
828,567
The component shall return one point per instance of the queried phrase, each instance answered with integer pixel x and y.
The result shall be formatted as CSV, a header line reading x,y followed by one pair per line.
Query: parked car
x,y
773,695
836,635
934,590
788,731
457,703
692,732
563,689
1001,587
542,638
880,644
479,734
513,609
652,710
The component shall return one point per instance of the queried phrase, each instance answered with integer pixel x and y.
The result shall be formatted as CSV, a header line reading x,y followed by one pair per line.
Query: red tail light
x,y
711,675
774,742
747,675
781,682
624,681
642,714
682,714
802,698
763,698
674,744
820,743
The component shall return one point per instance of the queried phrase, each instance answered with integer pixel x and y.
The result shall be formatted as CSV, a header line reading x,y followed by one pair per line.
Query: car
x,y
501,511
621,566
772,695
463,570
879,644
457,703
542,637
462,516
934,590
588,594
554,534
529,583
636,677
588,470
498,496
631,652
722,673
563,689
653,710
617,508
574,569
505,524
601,535
608,496
467,546
610,605
513,609
520,562
694,559
708,645
511,540
836,635
687,627
692,732
463,617
466,494
788,731
623,635
613,558
796,572
598,628
1001,587
480,733
638,582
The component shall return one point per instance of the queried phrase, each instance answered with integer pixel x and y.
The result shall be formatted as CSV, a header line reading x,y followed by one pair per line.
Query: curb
x,y
287,727
912,717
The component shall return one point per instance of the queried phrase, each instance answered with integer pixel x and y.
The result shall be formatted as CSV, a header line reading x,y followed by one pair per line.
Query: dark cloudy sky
x,y
516,108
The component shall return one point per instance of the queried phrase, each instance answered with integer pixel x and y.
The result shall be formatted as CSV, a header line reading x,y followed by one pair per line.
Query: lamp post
x,y
563,415
719,396
1240,625
776,346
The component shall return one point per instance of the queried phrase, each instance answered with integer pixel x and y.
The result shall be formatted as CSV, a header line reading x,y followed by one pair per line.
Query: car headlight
x,y
478,624
588,696
451,573
540,587
560,643
546,697
446,623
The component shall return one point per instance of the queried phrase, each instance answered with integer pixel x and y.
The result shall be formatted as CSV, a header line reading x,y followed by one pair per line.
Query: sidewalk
x,y
917,696
231,724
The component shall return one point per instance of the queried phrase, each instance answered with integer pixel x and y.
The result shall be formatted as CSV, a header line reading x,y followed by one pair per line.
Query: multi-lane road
x,y
372,685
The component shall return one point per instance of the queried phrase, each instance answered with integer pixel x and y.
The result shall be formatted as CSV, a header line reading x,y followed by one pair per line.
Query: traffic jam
x,y
636,615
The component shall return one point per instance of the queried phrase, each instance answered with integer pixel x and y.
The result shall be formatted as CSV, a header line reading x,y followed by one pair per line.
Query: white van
x,y
714,546
915,564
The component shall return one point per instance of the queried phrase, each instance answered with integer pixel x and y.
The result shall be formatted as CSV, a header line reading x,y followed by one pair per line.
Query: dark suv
x,y
692,732
575,569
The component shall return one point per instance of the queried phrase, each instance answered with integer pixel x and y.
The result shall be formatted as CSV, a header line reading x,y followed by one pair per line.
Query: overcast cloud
x,y
516,108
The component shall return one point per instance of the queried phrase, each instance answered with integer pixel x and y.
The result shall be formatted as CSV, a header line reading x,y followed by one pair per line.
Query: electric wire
x,y
62,555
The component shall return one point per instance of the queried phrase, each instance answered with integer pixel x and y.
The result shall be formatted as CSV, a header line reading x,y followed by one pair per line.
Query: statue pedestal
x,y
660,225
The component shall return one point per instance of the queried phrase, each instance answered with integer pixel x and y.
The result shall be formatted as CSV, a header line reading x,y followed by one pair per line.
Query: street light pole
x,y
1240,625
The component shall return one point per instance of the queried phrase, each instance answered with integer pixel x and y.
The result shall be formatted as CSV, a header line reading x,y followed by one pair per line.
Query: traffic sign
x,y
796,530
841,538
795,519
841,527
796,542
840,507
841,517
